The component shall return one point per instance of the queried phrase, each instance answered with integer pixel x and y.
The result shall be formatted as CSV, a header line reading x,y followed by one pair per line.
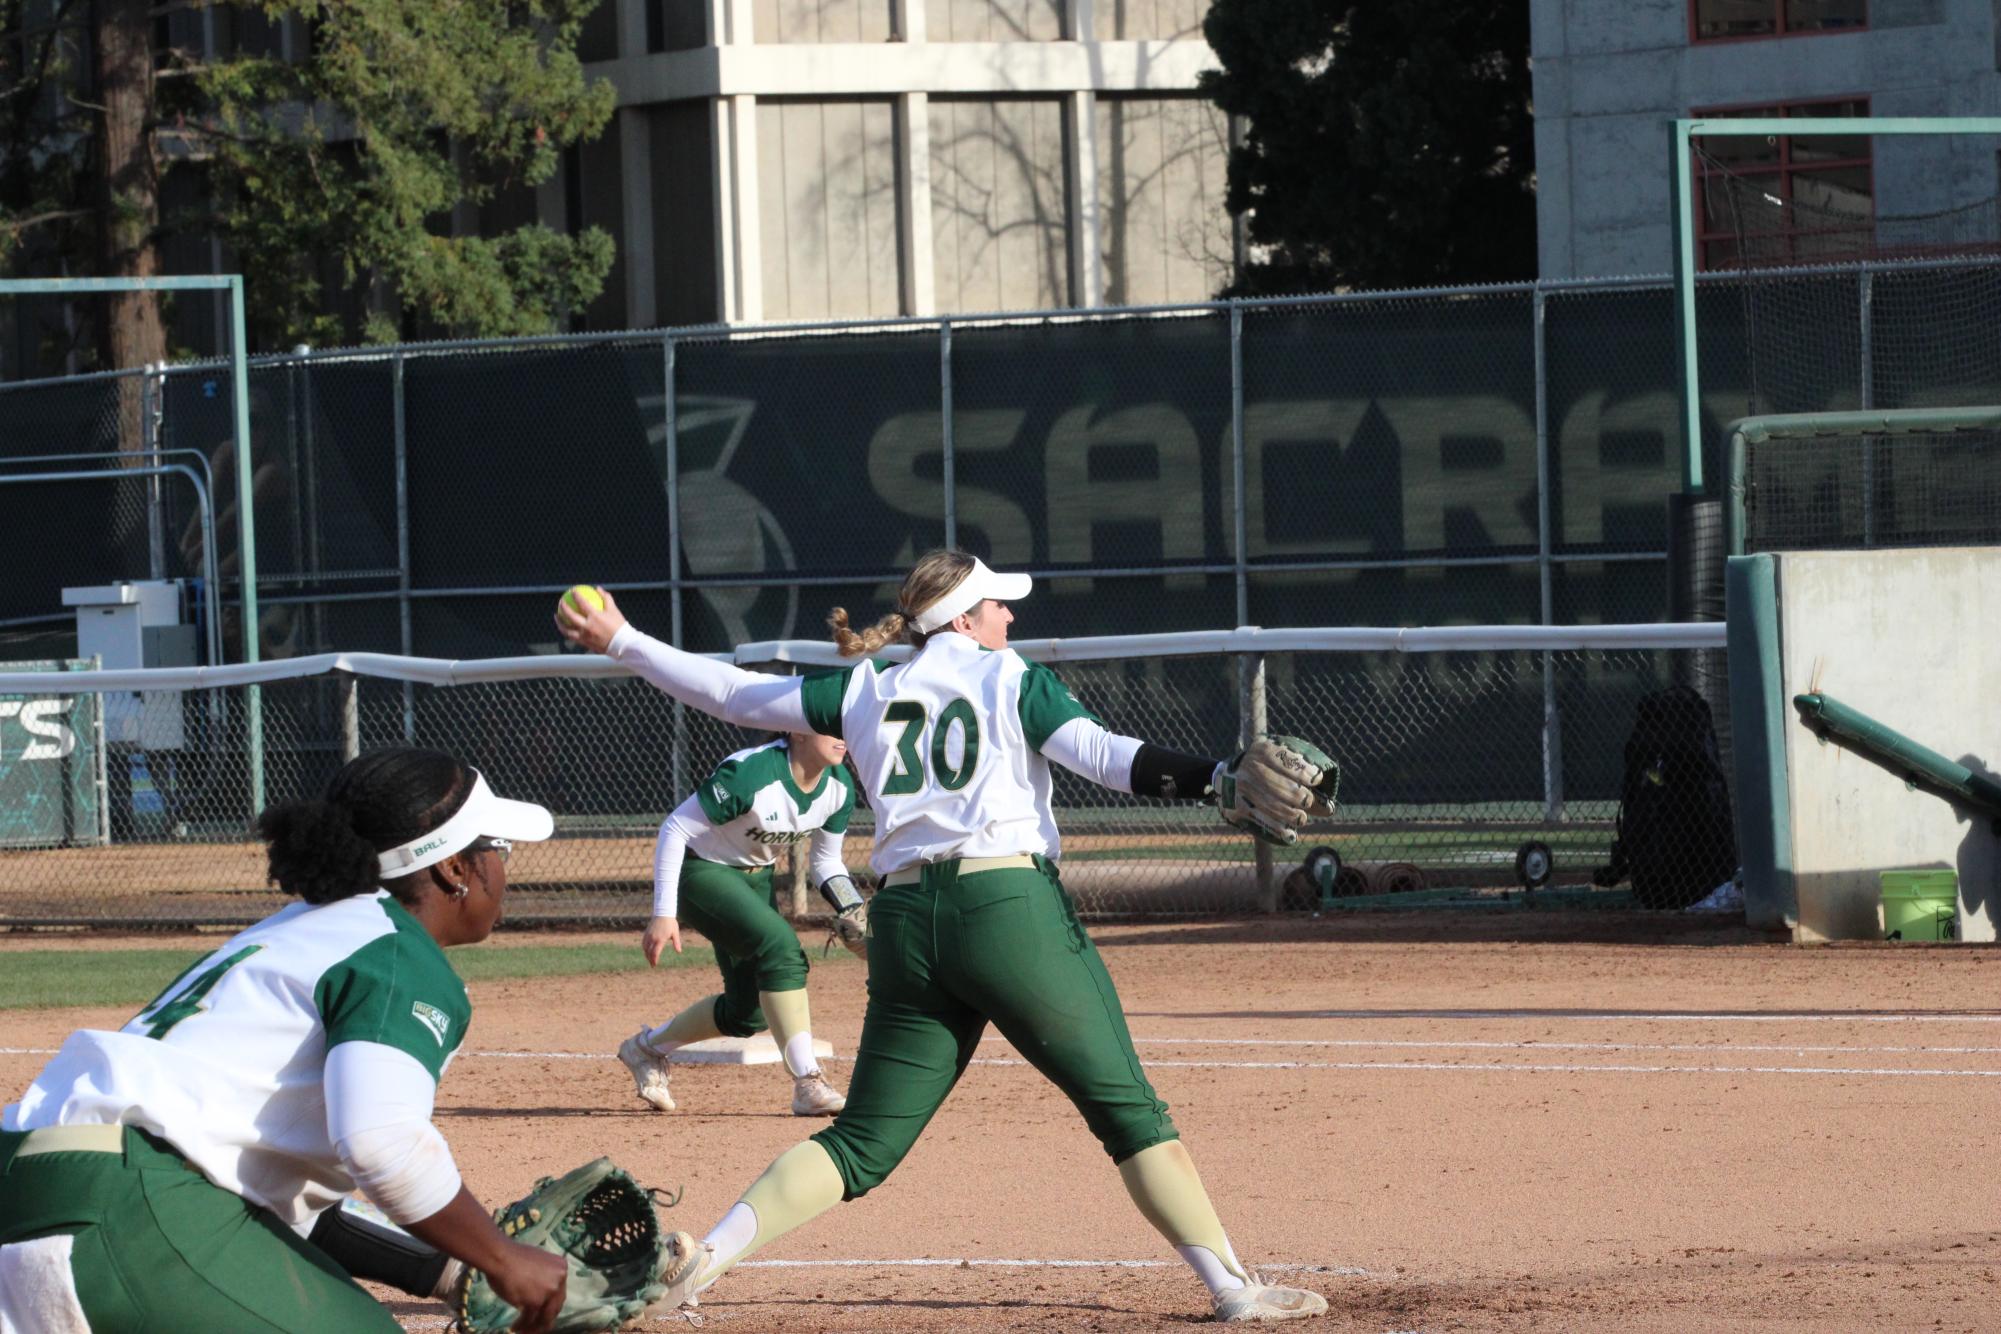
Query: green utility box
x,y
1921,905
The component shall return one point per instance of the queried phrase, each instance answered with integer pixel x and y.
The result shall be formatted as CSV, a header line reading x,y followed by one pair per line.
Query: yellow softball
x,y
585,599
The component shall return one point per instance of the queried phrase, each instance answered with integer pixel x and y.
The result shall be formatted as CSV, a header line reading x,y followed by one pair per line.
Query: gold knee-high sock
x,y
801,1184
693,1024
1165,1185
789,1016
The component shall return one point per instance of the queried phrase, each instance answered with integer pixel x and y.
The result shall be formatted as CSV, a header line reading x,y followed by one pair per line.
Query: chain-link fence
x,y
1457,754
1326,461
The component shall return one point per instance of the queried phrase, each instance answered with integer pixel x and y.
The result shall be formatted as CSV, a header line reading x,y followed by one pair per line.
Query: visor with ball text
x,y
482,816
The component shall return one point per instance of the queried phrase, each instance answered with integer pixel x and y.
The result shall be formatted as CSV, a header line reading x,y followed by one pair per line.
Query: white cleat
x,y
649,1070
685,1270
812,1095
1266,1301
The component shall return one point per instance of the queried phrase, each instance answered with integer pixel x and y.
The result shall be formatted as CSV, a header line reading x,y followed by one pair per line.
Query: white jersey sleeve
x,y
670,853
1084,747
379,1102
748,699
827,861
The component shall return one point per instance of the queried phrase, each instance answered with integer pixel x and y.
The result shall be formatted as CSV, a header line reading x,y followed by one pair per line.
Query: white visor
x,y
483,816
969,593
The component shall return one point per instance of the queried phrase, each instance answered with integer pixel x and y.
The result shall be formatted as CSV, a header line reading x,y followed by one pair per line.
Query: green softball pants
x,y
756,948
947,956
159,1248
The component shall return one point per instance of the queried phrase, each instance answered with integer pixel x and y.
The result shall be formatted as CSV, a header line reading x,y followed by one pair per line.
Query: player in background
x,y
971,924
166,1176
712,866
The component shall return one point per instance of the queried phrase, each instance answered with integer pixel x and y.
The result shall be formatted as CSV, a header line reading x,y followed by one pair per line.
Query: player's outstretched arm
x,y
670,854
379,1105
1268,790
748,699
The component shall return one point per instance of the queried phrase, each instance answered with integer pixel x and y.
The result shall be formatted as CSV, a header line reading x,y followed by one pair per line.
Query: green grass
x,y
40,979
46,979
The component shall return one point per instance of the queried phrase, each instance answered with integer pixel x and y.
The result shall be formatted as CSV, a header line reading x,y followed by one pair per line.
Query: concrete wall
x,y
778,21
862,158
1611,74
827,207
682,185
993,20
999,206
1141,20
1895,634
1162,175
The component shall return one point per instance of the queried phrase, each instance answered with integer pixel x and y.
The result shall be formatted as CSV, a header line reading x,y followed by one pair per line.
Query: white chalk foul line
x,y
1434,1067
1535,1044
1652,1017
1540,1068
968,1262
1454,1067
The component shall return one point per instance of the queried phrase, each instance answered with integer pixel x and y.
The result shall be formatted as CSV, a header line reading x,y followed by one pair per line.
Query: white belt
x,y
72,1139
911,875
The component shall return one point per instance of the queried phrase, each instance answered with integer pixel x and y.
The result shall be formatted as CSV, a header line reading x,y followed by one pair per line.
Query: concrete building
x,y
816,159
1610,74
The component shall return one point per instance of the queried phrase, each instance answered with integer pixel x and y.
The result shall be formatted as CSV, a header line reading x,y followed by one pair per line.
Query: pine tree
x,y
1385,145
332,178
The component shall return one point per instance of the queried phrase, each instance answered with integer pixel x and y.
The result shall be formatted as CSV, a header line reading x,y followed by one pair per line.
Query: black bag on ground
x,y
1677,839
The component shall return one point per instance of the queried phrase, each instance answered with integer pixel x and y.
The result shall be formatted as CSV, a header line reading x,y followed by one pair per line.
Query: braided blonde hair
x,y
935,574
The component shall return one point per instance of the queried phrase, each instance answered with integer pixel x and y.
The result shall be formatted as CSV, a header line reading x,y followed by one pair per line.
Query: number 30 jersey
x,y
948,746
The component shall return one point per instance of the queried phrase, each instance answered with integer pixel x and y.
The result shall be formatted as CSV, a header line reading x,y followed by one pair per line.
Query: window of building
x,y
1784,199
1727,20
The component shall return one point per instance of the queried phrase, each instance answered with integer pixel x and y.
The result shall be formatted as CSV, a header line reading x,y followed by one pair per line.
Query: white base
x,y
758,1050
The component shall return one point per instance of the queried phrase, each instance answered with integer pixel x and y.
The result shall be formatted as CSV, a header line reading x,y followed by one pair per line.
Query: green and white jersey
x,y
751,808
228,1063
949,748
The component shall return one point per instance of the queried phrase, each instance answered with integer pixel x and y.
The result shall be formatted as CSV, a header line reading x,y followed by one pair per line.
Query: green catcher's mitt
x,y
1271,788
601,1221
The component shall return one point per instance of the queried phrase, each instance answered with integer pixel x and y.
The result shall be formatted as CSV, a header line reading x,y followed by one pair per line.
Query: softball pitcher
x,y
166,1176
971,925
713,866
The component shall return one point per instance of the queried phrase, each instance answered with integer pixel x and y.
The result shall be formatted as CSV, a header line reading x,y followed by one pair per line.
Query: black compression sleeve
x,y
367,1249
1169,774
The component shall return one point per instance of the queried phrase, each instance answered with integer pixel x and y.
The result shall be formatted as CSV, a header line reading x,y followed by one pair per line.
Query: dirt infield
x,y
1441,1127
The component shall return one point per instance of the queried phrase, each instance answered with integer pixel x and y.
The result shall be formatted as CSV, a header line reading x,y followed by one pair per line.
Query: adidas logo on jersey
x,y
431,1017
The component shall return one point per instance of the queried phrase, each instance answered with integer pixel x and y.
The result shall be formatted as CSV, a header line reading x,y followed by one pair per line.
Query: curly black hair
x,y
325,849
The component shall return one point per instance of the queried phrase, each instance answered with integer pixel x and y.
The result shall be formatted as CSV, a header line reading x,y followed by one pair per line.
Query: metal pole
x,y
1552,726
678,760
403,542
1241,554
1867,298
1680,183
315,554
102,772
1251,668
1251,725
945,431
149,443
350,714
246,536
